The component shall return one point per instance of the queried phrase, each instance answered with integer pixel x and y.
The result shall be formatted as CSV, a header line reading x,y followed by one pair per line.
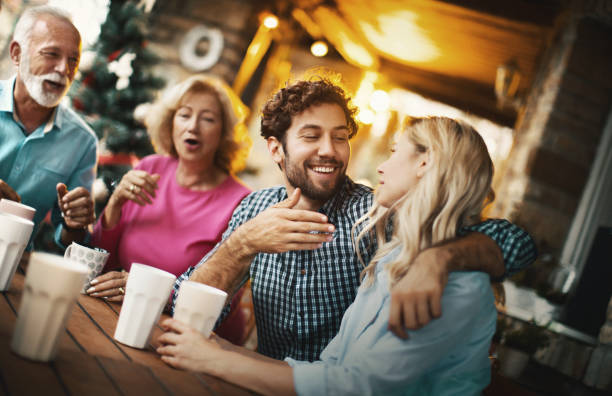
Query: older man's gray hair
x,y
29,17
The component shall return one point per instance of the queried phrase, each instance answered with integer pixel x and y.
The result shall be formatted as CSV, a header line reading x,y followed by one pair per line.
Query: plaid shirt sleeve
x,y
517,246
236,220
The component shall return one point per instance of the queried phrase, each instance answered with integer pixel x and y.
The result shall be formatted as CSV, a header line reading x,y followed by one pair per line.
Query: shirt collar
x,y
335,203
7,103
6,94
53,120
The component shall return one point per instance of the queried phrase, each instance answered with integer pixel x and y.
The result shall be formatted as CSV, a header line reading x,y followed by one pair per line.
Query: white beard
x,y
34,84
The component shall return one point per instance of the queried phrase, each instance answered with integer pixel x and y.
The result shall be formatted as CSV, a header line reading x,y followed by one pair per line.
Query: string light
x,y
270,21
319,48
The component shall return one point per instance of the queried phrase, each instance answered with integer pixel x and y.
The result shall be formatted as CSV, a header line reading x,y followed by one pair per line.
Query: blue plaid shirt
x,y
300,297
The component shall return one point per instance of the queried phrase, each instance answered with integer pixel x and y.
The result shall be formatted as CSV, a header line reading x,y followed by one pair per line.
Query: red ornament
x,y
89,80
77,104
117,159
114,55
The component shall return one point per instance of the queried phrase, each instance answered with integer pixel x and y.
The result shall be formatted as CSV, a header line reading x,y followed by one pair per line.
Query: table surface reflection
x,y
90,362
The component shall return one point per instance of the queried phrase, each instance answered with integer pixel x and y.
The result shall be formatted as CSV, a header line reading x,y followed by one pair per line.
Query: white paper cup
x,y
93,259
14,236
52,285
199,306
17,209
146,293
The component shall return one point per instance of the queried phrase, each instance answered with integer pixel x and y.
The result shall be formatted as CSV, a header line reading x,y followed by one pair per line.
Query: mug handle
x,y
67,252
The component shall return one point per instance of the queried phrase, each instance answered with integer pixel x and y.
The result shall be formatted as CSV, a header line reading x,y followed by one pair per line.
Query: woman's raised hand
x,y
137,186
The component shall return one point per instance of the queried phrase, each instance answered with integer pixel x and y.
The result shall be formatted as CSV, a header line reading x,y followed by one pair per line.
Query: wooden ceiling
x,y
446,50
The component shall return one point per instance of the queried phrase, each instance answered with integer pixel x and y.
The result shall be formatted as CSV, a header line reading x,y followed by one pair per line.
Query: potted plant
x,y
517,346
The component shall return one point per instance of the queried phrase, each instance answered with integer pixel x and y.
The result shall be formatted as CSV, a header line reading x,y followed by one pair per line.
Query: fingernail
x,y
68,212
93,282
91,289
331,228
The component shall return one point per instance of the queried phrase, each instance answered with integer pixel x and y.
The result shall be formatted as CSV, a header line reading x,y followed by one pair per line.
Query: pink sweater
x,y
174,232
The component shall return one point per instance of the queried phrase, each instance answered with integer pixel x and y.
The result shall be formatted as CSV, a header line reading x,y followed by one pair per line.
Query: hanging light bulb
x,y
319,48
270,21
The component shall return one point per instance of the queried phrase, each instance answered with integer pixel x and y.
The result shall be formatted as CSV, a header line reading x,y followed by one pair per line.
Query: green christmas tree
x,y
115,79
118,80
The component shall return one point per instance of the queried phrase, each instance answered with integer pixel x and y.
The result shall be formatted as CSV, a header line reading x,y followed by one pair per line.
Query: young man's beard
x,y
298,177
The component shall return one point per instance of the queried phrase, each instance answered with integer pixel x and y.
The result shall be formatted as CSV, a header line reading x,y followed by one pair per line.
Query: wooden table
x,y
90,362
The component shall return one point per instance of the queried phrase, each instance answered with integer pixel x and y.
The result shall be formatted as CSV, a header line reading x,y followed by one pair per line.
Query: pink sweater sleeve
x,y
108,239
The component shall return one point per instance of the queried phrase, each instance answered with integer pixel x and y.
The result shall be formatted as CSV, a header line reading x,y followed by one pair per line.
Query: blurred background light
x,y
270,21
319,48
366,116
415,45
344,39
87,16
379,101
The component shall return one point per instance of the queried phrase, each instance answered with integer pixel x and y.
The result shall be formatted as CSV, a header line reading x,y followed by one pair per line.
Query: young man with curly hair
x,y
294,241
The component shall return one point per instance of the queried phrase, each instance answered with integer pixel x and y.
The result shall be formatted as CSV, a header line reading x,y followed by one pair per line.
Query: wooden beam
x,y
467,95
538,12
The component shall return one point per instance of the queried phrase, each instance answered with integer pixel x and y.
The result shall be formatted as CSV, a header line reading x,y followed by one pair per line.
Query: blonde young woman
x,y
173,207
436,181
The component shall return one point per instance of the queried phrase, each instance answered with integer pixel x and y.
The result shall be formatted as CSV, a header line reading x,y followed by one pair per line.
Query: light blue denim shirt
x,y
449,356
61,150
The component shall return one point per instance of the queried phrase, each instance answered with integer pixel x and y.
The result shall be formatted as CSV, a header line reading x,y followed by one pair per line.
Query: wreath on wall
x,y
188,53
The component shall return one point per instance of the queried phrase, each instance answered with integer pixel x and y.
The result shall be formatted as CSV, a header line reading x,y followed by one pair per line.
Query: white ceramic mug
x,y
51,287
146,293
199,306
15,233
17,209
93,259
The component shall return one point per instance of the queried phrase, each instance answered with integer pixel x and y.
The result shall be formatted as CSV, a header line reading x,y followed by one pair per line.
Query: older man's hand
x,y
76,205
7,192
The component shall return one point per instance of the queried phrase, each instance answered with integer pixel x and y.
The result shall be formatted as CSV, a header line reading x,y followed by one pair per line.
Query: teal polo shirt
x,y
64,149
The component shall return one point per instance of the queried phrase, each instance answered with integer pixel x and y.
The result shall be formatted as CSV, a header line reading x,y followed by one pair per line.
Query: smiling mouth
x,y
55,85
323,169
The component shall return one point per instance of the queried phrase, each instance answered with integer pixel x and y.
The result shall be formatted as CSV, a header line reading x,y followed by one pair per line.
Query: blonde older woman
x,y
172,208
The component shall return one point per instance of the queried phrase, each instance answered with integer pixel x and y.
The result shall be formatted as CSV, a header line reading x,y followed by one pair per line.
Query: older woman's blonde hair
x,y
451,194
235,141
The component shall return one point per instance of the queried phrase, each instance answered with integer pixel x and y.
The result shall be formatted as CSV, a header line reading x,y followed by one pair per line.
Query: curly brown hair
x,y
292,100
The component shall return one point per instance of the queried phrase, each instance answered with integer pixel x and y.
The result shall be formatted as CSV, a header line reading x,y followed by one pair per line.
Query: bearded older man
x,y
47,153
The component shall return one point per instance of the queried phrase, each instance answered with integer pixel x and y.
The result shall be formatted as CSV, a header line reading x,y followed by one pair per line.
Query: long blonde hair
x,y
450,195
